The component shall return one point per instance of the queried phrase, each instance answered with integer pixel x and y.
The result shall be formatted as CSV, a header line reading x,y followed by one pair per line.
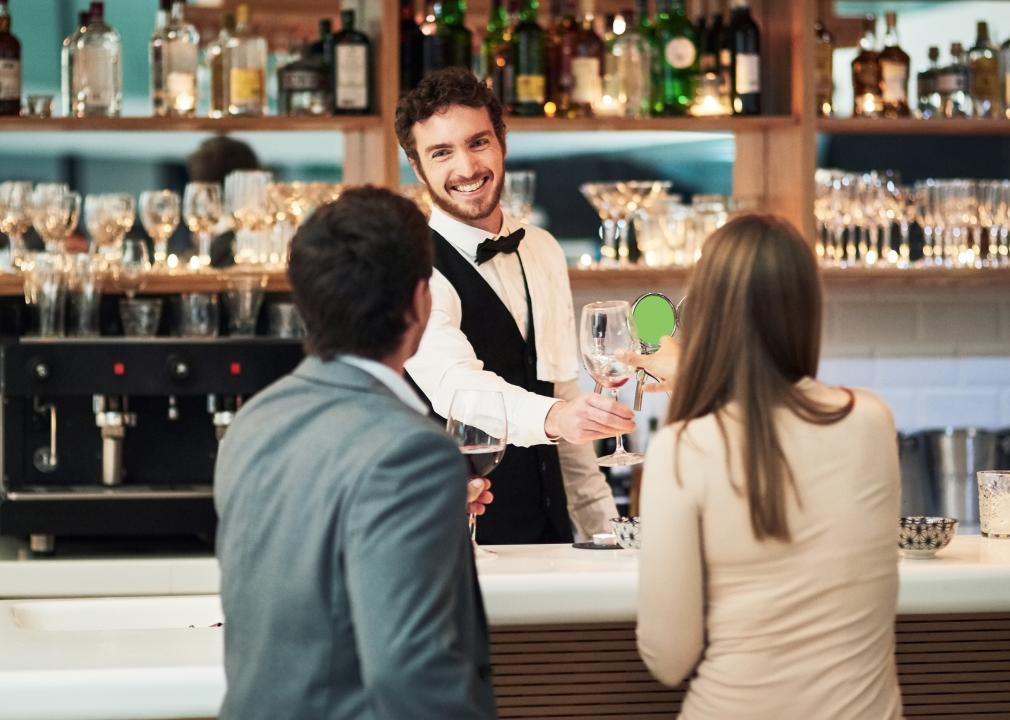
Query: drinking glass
x,y
45,293
15,218
84,294
55,212
478,424
202,209
108,217
159,214
133,266
243,298
198,315
517,198
246,199
140,317
284,320
994,502
605,333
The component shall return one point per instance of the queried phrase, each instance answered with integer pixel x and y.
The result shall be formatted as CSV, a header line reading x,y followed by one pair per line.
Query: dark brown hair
x,y
752,329
354,266
441,90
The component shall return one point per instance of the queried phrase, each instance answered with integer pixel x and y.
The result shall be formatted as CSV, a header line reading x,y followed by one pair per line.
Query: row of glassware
x,y
872,219
262,213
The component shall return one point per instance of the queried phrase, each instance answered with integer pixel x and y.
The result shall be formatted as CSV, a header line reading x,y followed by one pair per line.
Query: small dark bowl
x,y
920,537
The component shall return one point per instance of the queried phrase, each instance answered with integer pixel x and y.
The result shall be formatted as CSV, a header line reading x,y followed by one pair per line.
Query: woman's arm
x,y
671,620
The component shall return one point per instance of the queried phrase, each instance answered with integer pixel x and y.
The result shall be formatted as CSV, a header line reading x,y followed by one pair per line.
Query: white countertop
x,y
121,657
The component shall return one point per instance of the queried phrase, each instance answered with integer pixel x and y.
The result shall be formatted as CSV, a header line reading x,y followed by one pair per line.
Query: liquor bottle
x,y
451,45
66,68
926,87
323,52
724,43
530,54
866,99
96,59
587,65
1004,63
824,84
560,46
411,44
218,68
633,54
708,46
352,71
10,65
245,59
174,54
984,74
676,60
746,60
953,84
894,71
701,30
495,66
303,85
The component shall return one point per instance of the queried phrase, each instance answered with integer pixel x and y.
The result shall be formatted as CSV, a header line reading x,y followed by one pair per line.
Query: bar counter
x,y
562,635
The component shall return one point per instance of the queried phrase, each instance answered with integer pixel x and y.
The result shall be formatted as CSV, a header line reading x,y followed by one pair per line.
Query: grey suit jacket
x,y
348,583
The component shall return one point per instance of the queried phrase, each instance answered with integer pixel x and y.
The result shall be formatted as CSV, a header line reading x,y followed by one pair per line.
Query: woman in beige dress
x,y
769,502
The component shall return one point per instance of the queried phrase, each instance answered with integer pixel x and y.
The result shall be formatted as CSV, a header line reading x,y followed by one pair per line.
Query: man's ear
x,y
417,170
420,307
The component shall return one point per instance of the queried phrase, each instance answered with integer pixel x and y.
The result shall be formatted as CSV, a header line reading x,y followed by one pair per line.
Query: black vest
x,y
529,505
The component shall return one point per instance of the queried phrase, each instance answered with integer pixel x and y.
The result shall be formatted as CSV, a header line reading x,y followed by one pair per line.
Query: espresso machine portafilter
x,y
118,436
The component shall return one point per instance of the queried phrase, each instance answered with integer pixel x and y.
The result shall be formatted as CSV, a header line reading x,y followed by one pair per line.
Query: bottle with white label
x,y
174,52
352,69
675,68
96,83
10,65
746,73
245,60
587,65
894,71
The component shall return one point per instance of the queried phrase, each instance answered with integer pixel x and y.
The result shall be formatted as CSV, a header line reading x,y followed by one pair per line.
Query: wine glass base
x,y
620,459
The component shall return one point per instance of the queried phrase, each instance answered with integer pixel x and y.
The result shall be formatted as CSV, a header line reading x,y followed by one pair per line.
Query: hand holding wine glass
x,y
478,424
604,335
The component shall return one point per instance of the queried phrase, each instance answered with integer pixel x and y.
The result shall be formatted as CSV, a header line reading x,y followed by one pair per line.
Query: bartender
x,y
502,320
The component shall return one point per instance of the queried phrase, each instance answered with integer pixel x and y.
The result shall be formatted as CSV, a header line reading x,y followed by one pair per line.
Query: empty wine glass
x,y
478,424
55,212
517,198
246,199
133,266
202,208
605,333
159,214
108,217
15,218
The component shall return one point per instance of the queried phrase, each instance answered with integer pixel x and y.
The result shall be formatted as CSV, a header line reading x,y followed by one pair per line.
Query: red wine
x,y
482,459
610,382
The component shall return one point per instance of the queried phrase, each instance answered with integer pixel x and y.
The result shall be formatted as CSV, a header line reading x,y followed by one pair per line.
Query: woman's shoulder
x,y
867,406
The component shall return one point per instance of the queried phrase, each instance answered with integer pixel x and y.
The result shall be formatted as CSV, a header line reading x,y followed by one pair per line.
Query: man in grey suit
x,y
348,582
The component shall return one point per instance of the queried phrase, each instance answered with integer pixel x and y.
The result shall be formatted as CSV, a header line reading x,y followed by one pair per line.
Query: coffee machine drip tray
x,y
42,493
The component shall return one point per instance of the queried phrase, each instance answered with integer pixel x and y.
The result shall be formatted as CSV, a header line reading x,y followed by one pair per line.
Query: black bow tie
x,y
504,244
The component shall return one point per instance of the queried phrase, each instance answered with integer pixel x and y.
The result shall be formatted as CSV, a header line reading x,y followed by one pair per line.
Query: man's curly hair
x,y
436,92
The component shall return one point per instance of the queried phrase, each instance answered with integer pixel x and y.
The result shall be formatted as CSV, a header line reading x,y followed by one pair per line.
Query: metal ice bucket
x,y
955,455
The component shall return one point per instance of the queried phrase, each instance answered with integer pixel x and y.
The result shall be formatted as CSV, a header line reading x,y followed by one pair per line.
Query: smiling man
x,y
502,320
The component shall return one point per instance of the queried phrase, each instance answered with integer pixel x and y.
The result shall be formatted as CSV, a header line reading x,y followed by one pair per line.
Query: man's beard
x,y
462,212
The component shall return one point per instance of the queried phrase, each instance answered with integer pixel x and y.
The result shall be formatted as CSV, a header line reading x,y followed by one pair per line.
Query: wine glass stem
x,y
619,440
472,524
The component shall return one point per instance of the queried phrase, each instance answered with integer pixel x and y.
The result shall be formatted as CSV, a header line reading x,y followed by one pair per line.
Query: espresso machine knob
x,y
177,367
39,370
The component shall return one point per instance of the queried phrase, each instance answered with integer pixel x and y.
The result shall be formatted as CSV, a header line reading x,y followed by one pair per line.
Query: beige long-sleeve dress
x,y
803,630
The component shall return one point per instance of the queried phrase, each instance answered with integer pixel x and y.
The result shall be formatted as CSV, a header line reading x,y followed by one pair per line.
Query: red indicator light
x,y
118,369
236,368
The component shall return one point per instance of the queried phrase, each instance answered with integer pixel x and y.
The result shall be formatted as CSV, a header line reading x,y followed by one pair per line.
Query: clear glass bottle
x,y
633,55
218,69
824,83
66,67
587,64
10,65
866,99
953,84
175,52
96,61
245,57
894,71
926,87
984,75
352,70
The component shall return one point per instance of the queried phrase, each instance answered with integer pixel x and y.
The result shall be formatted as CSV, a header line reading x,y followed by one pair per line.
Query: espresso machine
x,y
117,437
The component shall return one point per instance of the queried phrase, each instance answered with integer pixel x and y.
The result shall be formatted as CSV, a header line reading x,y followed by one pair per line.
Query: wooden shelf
x,y
170,283
685,124
912,126
197,124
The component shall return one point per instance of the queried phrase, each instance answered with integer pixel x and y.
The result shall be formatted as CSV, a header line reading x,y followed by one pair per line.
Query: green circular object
x,y
655,317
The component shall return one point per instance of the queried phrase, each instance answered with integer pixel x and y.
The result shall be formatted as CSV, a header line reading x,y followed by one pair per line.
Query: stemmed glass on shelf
x,y
55,212
159,214
15,217
605,333
202,209
108,217
478,424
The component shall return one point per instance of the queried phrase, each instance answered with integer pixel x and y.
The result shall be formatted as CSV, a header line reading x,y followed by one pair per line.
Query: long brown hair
x,y
752,329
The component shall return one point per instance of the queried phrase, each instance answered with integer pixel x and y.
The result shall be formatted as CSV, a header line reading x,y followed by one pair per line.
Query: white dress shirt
x,y
445,360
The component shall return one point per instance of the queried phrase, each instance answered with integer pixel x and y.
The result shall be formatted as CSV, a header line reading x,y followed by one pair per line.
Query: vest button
x,y
543,467
547,502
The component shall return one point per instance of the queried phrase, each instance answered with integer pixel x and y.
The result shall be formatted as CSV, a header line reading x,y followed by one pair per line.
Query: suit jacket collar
x,y
340,374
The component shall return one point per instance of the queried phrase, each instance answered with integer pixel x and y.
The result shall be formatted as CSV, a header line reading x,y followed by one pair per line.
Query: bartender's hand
x,y
590,417
661,364
478,495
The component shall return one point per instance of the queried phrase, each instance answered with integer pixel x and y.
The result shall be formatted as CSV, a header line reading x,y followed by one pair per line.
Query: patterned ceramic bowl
x,y
627,531
921,537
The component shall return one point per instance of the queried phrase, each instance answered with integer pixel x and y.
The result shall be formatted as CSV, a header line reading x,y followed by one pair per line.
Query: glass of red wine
x,y
477,423
606,331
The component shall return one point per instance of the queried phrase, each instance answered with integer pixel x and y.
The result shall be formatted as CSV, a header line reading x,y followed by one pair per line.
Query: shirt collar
x,y
462,236
388,377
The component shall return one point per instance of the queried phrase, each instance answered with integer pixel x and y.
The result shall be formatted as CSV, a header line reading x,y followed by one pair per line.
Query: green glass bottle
x,y
454,40
496,64
530,56
675,60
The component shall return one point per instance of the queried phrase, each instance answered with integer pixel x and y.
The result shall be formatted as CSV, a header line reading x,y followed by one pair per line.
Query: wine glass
x,y
246,199
108,218
15,218
159,214
134,264
202,209
606,332
478,424
55,211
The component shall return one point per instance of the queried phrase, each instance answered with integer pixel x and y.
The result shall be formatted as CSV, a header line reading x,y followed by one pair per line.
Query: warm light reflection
x,y
586,261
